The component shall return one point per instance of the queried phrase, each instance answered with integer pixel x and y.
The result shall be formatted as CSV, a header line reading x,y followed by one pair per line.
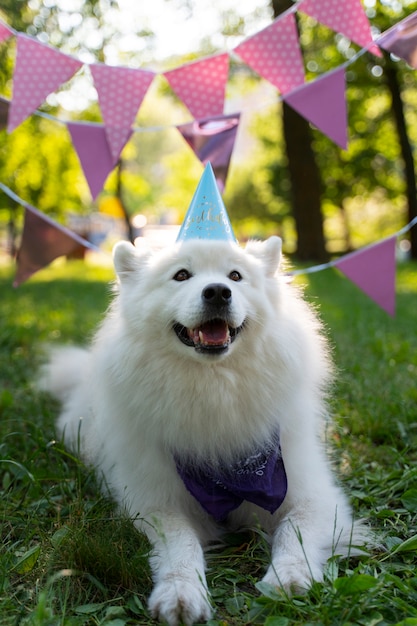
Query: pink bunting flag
x,y
121,92
275,54
39,71
323,103
401,40
201,85
90,143
5,31
213,140
343,16
373,271
43,240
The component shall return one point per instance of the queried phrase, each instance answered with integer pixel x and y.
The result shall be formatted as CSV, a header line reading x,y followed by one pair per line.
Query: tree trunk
x,y
119,195
306,187
391,73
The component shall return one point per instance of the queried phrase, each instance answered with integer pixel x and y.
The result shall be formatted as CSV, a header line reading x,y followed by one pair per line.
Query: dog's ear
x,y
127,259
269,252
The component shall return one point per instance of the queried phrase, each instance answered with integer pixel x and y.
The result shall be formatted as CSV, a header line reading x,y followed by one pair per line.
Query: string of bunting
x,y
372,268
274,53
43,240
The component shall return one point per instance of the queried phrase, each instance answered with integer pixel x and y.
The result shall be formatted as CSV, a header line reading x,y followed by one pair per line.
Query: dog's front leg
x,y
297,558
180,593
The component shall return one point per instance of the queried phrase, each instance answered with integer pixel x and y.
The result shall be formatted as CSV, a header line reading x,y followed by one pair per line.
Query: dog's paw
x,y
178,601
292,575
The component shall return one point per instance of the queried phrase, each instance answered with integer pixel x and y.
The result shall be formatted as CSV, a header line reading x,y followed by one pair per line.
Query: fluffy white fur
x,y
139,394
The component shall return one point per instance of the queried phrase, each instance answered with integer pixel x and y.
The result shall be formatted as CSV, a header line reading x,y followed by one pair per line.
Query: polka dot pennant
x,y
323,103
201,85
120,92
346,17
90,143
5,32
275,54
39,70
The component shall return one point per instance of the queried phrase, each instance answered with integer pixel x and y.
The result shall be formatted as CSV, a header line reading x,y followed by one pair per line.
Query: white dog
x,y
201,403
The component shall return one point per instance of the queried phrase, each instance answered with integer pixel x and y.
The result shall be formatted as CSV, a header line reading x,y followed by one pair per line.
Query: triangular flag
x,y
207,217
90,142
201,85
42,241
347,17
323,103
5,31
39,71
120,91
275,54
373,270
401,40
213,140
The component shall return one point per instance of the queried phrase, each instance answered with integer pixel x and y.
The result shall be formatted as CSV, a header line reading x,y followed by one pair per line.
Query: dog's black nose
x,y
217,294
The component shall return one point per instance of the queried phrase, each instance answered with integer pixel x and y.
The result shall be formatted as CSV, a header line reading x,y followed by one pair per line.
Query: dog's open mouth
x,y
213,336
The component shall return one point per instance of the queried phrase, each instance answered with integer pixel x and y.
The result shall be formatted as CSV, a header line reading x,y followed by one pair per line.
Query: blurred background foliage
x,y
363,194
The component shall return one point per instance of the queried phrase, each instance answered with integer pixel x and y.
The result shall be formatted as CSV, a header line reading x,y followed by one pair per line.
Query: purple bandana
x,y
260,479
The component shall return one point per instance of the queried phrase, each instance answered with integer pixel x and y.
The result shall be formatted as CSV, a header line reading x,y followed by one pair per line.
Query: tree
x,y
369,168
305,178
391,72
52,180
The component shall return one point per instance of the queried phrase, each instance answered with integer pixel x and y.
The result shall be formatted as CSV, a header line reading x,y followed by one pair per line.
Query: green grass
x,y
67,558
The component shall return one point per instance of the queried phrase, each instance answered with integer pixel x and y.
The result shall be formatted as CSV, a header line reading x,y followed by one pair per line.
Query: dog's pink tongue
x,y
214,333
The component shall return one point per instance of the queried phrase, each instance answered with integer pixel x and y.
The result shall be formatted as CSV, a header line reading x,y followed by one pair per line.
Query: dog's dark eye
x,y
182,275
235,275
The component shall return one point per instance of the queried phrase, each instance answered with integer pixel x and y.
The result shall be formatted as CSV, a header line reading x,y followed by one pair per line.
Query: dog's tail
x,y
65,369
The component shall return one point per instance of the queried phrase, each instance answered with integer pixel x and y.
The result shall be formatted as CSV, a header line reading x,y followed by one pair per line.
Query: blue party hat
x,y
207,217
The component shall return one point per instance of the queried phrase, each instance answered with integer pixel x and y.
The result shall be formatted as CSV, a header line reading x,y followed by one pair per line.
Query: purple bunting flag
x,y
323,103
39,71
42,241
401,40
213,140
91,145
373,271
